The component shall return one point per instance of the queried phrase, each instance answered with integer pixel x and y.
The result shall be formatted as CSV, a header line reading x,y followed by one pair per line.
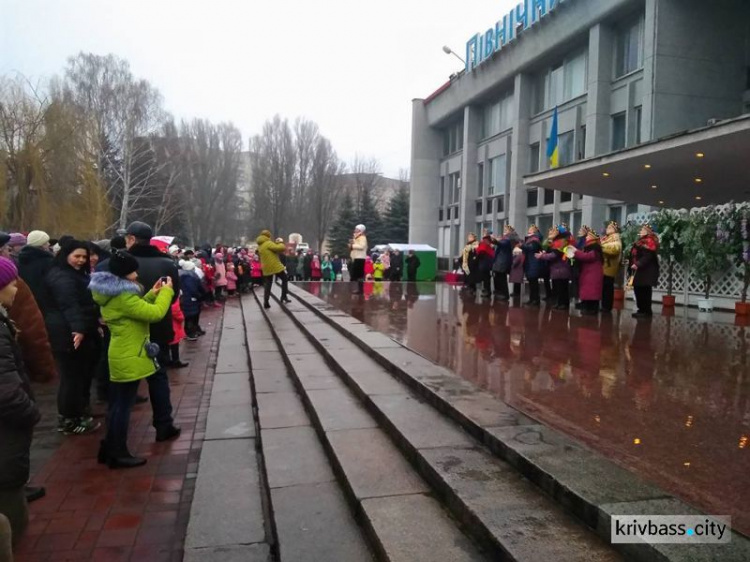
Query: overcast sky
x,y
353,67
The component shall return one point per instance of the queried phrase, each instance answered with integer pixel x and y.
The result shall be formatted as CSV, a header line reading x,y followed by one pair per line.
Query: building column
x,y
598,112
469,177
649,64
519,155
425,178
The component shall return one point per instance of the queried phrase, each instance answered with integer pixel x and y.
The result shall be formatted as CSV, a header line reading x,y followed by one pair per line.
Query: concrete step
x,y
581,481
377,427
308,510
402,521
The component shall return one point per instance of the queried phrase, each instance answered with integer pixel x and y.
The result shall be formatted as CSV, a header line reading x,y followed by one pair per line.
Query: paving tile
x,y
339,409
232,359
272,381
267,360
294,456
314,524
415,528
230,422
227,508
419,423
243,553
373,465
281,409
231,396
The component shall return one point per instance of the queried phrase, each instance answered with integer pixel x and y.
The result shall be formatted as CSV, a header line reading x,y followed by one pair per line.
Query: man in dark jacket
x,y
412,265
503,261
397,265
33,265
152,265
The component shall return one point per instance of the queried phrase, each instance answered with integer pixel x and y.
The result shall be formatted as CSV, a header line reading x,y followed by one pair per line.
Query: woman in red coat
x,y
591,272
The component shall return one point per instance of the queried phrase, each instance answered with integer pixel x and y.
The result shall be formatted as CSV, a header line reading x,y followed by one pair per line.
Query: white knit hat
x,y
174,249
360,227
37,238
187,265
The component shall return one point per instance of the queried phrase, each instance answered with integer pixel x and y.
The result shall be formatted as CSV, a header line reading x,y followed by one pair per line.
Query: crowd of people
x,y
584,267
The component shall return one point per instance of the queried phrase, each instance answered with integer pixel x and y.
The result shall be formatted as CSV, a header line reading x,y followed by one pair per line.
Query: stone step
x,y
403,521
377,431
583,482
309,512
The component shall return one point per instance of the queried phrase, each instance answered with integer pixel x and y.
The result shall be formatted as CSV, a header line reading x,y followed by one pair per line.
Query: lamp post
x,y
448,51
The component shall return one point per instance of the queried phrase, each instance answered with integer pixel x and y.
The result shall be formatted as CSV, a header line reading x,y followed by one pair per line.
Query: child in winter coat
x,y
369,268
18,416
220,278
231,280
326,267
378,270
192,293
178,327
315,269
131,356
516,270
256,271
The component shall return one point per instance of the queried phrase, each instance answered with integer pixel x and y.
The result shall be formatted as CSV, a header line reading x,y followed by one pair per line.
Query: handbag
x,y
151,349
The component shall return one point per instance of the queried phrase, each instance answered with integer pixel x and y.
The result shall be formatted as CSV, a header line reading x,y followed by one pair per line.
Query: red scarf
x,y
560,242
649,242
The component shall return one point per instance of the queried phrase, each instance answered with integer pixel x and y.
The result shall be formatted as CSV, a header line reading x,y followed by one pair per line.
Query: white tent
x,y
415,247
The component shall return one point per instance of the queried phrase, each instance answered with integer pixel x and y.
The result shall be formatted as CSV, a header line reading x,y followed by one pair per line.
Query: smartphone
x,y
164,279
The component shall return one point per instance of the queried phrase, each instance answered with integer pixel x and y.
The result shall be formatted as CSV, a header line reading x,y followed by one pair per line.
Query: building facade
x,y
621,74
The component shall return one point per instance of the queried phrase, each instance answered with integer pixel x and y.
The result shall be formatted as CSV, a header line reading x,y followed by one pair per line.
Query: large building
x,y
652,98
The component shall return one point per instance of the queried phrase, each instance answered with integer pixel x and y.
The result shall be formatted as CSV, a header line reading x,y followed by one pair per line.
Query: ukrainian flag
x,y
553,152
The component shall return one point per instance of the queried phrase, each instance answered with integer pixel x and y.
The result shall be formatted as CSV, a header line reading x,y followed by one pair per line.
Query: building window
x,y
618,131
440,214
582,143
565,196
615,213
498,116
638,118
500,208
480,180
544,223
442,191
488,210
549,197
566,148
565,218
498,175
532,197
561,82
631,210
479,207
455,187
453,138
534,158
577,222
629,48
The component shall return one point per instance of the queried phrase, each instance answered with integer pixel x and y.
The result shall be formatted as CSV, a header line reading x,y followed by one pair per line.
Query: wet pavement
x,y
92,513
667,398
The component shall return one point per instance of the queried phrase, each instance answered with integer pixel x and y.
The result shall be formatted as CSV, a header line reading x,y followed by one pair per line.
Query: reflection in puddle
x,y
668,398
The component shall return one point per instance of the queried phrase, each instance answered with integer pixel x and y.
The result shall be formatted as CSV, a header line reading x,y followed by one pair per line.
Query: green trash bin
x,y
427,259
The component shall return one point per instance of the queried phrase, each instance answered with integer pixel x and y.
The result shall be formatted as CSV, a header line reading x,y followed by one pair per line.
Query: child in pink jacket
x,y
231,279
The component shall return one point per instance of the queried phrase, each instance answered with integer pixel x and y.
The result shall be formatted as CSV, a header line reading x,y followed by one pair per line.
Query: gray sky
x,y
351,66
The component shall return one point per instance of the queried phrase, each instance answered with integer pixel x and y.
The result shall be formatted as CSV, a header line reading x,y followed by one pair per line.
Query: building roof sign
x,y
482,46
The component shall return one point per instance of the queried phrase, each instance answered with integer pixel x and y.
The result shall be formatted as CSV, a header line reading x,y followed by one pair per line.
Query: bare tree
x,y
366,174
124,113
325,189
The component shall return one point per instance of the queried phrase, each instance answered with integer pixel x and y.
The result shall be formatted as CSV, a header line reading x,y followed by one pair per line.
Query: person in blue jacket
x,y
192,294
503,261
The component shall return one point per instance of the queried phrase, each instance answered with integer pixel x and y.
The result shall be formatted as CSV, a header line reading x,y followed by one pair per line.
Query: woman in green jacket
x,y
131,358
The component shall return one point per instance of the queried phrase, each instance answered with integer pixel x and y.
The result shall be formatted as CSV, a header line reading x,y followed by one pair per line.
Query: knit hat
x,y
187,265
8,272
122,264
360,227
37,238
17,239
266,233
174,249
4,238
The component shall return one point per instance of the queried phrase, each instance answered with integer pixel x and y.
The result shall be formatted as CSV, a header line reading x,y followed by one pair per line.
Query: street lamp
x,y
448,51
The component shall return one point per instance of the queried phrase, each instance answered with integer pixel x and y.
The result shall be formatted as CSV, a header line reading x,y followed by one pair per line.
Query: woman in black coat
x,y
644,266
72,320
18,414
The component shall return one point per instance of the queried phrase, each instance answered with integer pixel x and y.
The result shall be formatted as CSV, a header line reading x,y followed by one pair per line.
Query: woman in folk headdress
x,y
559,265
590,272
503,261
470,263
532,265
612,251
644,266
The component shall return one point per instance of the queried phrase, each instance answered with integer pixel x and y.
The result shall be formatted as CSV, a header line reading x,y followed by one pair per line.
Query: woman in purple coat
x,y
590,262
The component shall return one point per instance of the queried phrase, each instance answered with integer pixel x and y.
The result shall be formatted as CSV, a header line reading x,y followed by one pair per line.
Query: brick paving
x,y
92,513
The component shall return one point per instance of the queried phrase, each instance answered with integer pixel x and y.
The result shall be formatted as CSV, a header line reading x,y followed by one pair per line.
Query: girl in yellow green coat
x,y
131,355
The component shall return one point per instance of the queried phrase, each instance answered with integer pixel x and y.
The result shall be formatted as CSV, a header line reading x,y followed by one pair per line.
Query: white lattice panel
x,y
728,286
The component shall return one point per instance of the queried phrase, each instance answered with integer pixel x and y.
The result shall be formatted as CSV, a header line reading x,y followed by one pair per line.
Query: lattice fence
x,y
725,290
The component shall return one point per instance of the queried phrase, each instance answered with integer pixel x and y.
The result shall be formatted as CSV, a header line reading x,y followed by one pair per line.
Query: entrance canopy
x,y
706,166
